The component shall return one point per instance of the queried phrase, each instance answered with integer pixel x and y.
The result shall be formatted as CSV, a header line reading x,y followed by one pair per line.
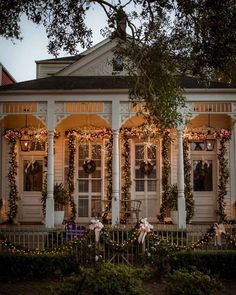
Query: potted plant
x,y
61,198
172,202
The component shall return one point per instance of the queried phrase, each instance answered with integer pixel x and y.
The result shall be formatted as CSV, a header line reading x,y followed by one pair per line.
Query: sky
x,y
19,58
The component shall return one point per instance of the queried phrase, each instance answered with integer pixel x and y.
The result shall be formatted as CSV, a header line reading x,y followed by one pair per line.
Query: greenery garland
x,y
223,179
109,153
105,237
70,175
187,182
12,173
166,140
126,174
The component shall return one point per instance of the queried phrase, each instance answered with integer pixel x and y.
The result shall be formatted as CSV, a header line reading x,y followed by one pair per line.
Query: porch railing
x,y
41,238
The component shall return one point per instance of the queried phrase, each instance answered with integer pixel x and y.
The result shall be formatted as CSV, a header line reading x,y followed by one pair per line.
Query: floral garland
x,y
187,183
37,134
165,174
70,175
12,172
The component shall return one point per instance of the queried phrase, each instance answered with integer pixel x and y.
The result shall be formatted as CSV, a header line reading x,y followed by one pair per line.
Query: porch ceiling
x,y
19,121
78,121
215,121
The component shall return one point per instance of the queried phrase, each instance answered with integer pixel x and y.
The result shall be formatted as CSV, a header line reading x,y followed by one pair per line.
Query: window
x,y
145,181
33,175
202,175
118,63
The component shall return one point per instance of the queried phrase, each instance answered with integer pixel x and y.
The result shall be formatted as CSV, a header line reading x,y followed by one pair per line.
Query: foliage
x,y
110,279
183,282
18,266
221,263
172,201
60,194
165,174
187,182
170,39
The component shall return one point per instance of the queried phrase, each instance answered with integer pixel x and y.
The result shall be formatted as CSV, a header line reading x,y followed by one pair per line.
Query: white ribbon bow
x,y
97,226
145,227
219,230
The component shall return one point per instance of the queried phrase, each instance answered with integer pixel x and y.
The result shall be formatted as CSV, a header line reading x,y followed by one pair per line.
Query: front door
x,y
204,167
90,182
31,179
146,180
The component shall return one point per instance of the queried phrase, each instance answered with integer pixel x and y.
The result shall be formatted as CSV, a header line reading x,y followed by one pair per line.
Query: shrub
x,y
220,263
110,279
27,266
182,282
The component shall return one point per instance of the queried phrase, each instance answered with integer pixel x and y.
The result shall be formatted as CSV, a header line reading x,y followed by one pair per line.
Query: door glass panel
x,y
202,175
151,185
96,186
83,206
33,175
83,185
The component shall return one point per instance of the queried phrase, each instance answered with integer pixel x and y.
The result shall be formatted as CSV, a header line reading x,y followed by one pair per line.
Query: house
x,y
5,77
74,124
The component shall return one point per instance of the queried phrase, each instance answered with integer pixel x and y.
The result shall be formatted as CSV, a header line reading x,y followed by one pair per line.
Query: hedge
x,y
20,266
220,263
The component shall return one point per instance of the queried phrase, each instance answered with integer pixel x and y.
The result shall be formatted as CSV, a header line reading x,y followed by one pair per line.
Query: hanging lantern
x,y
209,144
25,142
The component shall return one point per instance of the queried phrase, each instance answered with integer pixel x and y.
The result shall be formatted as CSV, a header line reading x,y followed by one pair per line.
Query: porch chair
x,y
130,208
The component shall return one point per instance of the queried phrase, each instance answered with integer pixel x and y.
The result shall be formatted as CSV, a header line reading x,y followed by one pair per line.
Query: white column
x,y
180,179
115,205
115,180
49,218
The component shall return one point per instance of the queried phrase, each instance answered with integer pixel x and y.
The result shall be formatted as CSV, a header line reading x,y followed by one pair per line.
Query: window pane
x,y
197,146
37,146
139,185
83,207
139,152
151,185
202,175
83,151
96,207
33,175
83,186
96,174
83,174
96,151
139,173
153,173
151,152
96,186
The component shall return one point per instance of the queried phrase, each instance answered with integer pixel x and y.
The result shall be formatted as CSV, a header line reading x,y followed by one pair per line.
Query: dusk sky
x,y
19,58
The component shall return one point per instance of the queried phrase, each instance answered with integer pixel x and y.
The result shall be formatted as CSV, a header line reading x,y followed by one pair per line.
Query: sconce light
x,y
25,140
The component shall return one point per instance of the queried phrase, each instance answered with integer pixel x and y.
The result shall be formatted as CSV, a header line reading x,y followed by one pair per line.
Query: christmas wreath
x,y
33,168
89,166
146,167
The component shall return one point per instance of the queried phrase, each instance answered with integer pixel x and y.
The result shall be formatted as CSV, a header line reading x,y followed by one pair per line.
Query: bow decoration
x,y
219,230
97,226
145,227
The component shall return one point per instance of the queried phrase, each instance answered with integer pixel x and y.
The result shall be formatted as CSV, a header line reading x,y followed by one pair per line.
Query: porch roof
x,y
97,82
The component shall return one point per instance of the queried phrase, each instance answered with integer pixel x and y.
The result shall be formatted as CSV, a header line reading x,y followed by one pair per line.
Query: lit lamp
x,y
25,140
209,141
210,144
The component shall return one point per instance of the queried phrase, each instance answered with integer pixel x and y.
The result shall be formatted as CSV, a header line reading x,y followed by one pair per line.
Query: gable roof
x,y
97,82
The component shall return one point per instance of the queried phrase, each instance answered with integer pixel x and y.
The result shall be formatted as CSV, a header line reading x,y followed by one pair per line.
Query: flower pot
x,y
58,217
174,216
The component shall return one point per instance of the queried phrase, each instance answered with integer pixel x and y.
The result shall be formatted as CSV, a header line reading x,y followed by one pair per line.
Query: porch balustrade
x,y
36,237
